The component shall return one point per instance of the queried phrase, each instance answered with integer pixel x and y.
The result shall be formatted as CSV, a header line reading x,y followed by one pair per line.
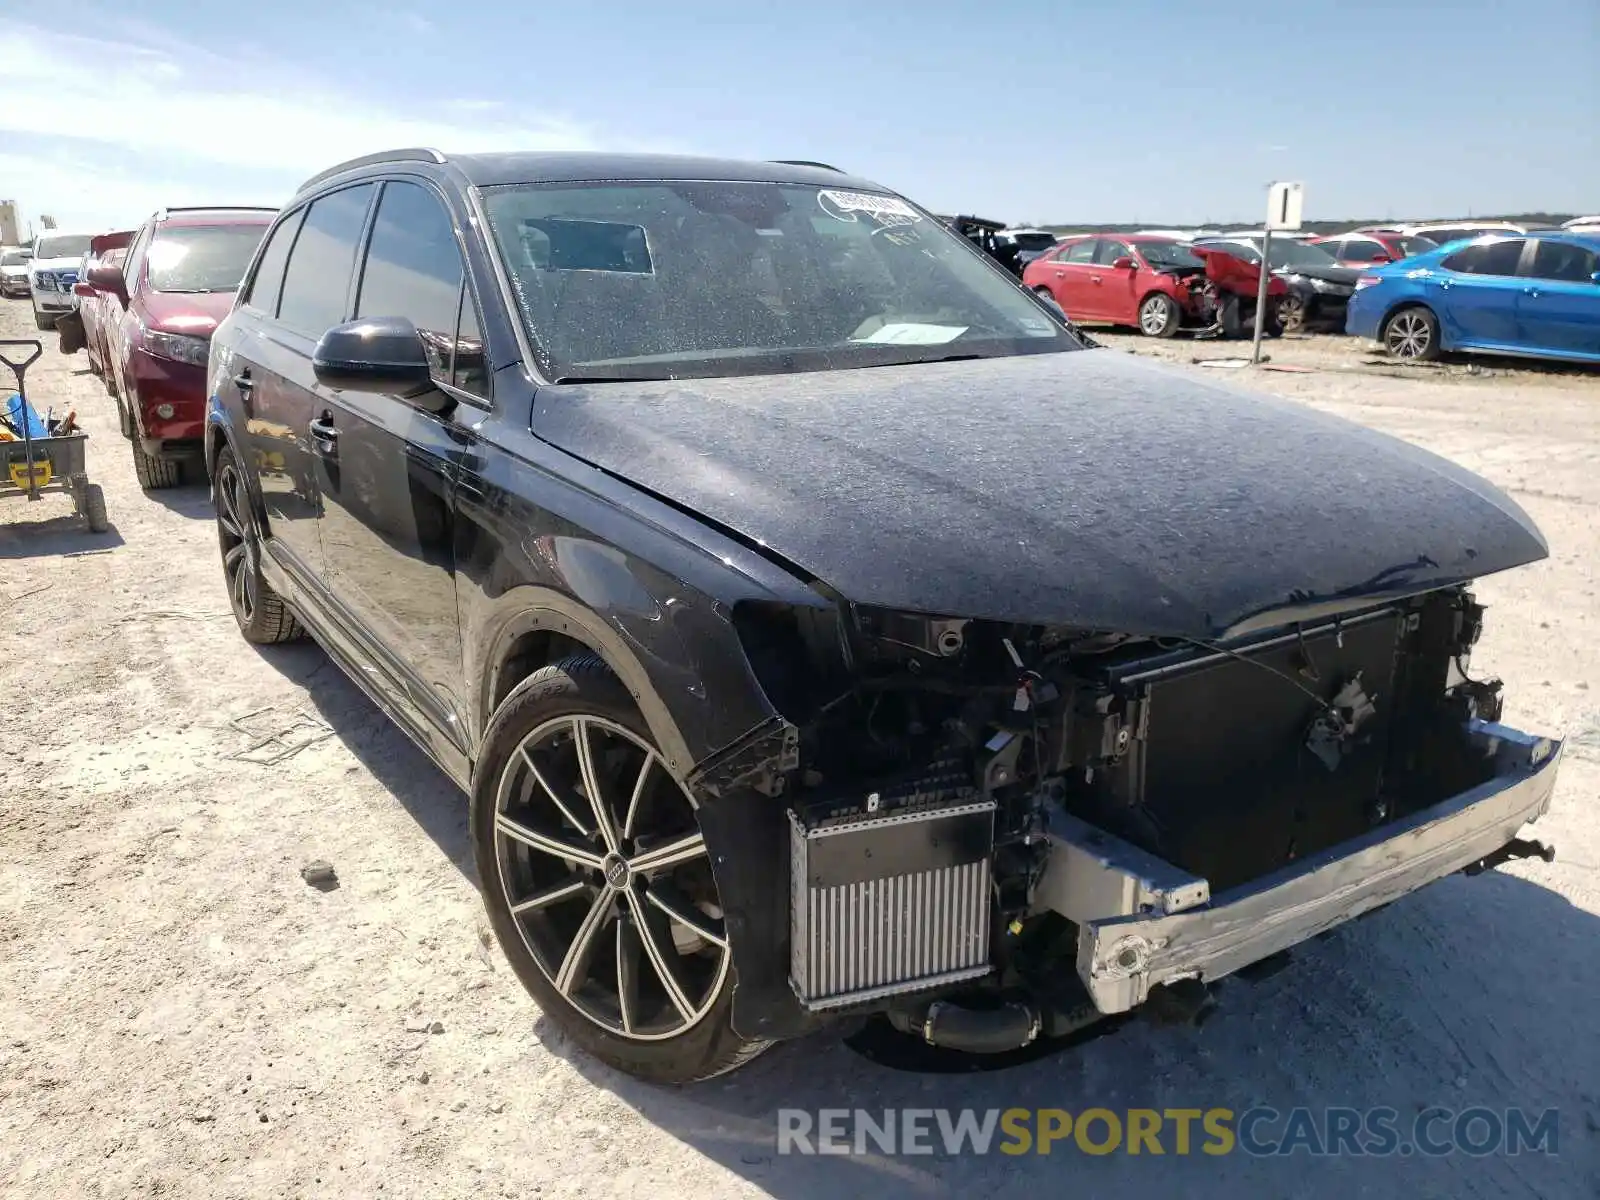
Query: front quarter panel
x,y
548,545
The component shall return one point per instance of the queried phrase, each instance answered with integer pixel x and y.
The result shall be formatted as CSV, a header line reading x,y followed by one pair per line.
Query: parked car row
x,y
149,299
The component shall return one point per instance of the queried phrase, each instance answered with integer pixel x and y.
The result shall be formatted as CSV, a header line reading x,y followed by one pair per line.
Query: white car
x,y
14,270
51,274
1444,232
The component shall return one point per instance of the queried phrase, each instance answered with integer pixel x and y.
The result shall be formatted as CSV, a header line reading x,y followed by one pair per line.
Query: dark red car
x,y
1157,283
1373,247
176,283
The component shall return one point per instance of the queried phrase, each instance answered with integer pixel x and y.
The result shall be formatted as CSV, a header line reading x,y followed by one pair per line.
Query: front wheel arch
x,y
562,625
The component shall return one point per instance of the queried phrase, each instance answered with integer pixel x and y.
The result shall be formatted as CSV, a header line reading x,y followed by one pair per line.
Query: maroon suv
x,y
175,284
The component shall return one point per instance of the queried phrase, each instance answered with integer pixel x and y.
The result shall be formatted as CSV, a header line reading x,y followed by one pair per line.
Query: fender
x,y
542,610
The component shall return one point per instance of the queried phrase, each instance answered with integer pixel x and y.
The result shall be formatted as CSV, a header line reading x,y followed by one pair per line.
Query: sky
x,y
1024,110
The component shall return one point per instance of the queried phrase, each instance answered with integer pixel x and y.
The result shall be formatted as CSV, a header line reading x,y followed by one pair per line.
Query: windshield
x,y
202,258
13,258
1033,241
62,245
1168,254
666,279
1300,254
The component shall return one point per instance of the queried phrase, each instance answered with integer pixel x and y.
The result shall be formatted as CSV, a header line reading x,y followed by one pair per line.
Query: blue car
x,y
1537,295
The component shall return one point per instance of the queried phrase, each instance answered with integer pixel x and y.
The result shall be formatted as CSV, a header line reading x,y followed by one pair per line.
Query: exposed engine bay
x,y
1219,299
943,763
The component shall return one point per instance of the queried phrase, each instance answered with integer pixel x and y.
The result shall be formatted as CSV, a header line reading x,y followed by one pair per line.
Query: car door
x,y
116,317
1475,294
301,287
1116,289
386,466
1558,309
1073,265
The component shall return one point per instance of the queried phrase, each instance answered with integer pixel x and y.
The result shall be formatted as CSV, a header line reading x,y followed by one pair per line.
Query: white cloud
x,y
159,112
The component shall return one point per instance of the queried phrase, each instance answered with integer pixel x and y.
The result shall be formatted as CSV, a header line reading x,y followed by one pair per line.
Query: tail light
x,y
1366,281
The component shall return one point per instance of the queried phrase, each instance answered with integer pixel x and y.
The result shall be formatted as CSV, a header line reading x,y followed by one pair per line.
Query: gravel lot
x,y
181,1015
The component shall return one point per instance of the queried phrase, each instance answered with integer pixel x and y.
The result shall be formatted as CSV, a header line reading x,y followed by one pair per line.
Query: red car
x,y
1373,247
1159,284
95,306
175,285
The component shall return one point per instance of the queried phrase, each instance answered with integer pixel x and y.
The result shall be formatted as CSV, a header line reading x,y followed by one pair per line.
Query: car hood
x,y
197,313
1083,488
1344,275
56,264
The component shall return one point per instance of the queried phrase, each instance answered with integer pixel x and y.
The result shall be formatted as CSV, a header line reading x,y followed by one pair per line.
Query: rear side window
x,y
1080,252
268,282
1487,258
1363,250
316,284
413,270
1563,261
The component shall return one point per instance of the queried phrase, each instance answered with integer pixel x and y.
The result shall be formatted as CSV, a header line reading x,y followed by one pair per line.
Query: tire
x,y
1272,326
43,320
154,473
124,420
673,1032
1294,313
261,614
1159,316
1411,334
94,508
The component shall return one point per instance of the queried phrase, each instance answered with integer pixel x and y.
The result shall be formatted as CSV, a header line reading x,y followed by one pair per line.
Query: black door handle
x,y
243,382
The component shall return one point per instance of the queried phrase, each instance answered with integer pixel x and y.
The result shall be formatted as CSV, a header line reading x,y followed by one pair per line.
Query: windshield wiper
x,y
917,362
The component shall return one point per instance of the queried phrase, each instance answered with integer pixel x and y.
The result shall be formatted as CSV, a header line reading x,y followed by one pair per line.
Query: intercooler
x,y
890,894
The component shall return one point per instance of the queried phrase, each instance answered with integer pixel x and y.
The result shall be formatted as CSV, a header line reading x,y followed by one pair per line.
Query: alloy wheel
x,y
607,878
1408,335
1153,317
236,533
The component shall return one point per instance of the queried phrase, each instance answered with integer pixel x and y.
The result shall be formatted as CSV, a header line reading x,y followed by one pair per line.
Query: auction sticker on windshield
x,y
911,333
844,206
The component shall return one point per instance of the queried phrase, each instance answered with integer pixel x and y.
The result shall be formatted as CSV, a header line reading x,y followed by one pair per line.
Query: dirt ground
x,y
182,1016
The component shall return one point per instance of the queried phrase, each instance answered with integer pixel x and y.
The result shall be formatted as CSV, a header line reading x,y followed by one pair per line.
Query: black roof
x,y
485,170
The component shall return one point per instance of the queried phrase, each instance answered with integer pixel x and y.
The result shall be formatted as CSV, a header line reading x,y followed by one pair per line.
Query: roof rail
x,y
410,154
806,162
161,213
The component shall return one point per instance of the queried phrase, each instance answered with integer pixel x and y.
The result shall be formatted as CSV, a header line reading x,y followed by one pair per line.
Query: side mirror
x,y
108,279
1382,258
378,354
1122,263
86,290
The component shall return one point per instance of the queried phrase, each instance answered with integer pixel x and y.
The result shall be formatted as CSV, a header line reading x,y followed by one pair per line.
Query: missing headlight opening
x,y
1003,815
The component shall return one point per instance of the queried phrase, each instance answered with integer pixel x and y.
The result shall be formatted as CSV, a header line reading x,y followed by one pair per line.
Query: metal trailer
x,y
31,465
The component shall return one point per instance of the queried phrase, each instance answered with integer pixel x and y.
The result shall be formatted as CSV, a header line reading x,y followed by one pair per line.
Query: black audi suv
x,y
818,628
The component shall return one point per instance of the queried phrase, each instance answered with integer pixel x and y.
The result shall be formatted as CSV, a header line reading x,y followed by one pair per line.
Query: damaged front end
x,y
991,831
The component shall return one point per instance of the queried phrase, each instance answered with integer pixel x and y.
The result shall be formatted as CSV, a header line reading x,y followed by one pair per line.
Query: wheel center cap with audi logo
x,y
616,871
